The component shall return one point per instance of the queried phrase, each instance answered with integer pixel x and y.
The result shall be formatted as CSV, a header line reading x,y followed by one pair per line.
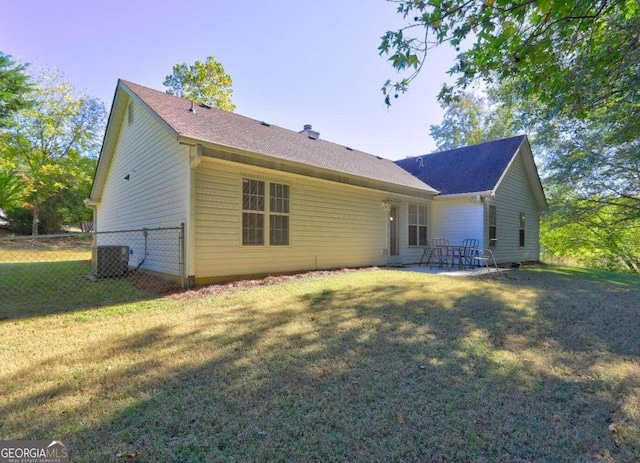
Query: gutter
x,y
470,194
309,170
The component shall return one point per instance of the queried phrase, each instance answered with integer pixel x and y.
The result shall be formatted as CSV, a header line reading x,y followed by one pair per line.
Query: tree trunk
x,y
36,220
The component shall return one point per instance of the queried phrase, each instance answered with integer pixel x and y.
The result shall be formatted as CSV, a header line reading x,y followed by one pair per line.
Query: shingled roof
x,y
224,129
472,169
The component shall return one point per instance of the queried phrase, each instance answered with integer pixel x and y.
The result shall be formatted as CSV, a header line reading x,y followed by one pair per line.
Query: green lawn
x,y
48,276
541,364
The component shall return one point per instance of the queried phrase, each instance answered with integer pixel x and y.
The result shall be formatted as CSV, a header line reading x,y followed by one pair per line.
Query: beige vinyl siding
x,y
331,225
513,196
156,194
457,219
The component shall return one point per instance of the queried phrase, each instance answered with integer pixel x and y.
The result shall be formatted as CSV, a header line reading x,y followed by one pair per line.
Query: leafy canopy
x,y
14,88
575,57
53,145
470,120
206,83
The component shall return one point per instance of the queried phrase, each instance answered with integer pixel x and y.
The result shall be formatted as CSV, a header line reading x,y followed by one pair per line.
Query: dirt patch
x,y
238,285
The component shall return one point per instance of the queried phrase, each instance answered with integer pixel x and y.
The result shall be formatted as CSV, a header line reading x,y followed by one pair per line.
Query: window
x,y
417,225
522,229
254,211
130,113
493,228
279,215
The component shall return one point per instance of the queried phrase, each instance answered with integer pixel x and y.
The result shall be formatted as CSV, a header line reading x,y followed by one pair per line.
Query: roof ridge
x,y
236,131
466,147
322,140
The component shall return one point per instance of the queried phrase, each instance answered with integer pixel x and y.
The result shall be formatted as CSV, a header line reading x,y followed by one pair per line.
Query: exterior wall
x,y
513,196
457,219
332,225
156,194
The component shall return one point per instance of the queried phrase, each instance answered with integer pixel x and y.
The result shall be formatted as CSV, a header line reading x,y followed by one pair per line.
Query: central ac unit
x,y
109,261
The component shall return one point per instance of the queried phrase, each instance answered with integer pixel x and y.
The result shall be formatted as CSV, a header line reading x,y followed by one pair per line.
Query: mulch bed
x,y
219,289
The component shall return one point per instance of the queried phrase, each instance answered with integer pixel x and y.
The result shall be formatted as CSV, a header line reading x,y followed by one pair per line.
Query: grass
x,y
47,276
542,365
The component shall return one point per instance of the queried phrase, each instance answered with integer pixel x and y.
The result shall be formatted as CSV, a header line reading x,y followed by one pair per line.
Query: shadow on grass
x,y
43,288
356,372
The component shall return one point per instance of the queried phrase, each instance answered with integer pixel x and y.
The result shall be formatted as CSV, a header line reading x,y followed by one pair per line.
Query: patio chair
x,y
428,253
467,251
484,258
442,251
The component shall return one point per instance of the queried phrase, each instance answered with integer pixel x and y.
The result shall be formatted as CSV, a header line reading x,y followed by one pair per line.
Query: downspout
x,y
195,157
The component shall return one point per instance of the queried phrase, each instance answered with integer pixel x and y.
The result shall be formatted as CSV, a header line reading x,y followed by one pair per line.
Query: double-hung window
x,y
259,204
253,206
493,226
279,214
417,225
522,229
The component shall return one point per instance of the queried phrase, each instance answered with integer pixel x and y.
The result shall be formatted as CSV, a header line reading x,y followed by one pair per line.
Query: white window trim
x,y
418,225
267,213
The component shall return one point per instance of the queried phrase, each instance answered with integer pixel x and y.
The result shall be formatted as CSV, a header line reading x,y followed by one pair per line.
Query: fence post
x,y
184,278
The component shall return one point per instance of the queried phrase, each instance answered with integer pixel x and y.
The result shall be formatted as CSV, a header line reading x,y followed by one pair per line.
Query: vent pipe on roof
x,y
420,162
193,107
309,132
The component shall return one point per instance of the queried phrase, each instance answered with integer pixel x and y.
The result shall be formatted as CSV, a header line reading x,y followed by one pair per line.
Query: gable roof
x,y
471,169
222,130
475,169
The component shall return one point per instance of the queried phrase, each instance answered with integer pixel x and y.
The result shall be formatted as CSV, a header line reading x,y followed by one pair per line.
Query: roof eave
x,y
301,168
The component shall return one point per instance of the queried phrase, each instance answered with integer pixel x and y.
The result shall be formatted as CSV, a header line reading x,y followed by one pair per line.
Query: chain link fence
x,y
53,273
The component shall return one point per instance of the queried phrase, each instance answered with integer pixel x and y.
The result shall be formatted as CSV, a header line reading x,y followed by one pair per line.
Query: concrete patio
x,y
452,272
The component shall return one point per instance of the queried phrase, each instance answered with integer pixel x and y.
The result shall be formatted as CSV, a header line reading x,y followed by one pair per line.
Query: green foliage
x,y
470,120
54,144
574,57
598,235
206,83
590,168
12,190
14,88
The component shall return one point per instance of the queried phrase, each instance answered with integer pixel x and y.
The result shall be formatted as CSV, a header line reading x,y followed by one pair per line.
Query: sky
x,y
292,62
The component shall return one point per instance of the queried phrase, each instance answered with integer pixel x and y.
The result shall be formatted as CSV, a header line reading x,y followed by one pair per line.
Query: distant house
x,y
258,199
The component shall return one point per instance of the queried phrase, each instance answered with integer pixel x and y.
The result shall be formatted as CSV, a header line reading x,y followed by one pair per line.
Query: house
x,y
490,192
257,199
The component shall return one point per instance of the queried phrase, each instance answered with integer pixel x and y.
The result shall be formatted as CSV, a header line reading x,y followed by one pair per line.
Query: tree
x,y
206,83
12,190
469,120
592,180
591,173
574,57
14,88
54,144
